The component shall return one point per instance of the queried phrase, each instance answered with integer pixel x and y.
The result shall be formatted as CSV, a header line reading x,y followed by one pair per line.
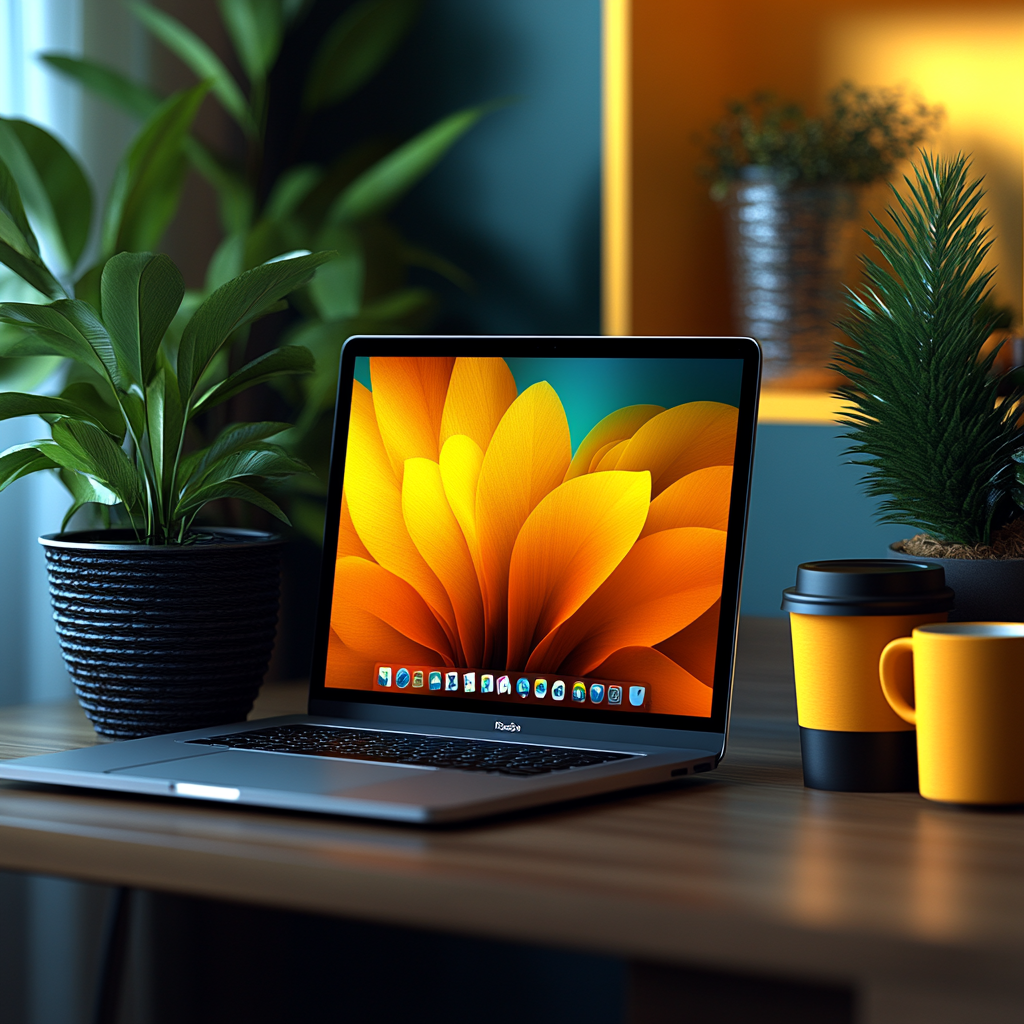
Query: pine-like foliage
x,y
926,421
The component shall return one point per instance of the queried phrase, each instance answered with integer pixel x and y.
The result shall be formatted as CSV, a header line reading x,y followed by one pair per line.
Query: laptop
x,y
529,591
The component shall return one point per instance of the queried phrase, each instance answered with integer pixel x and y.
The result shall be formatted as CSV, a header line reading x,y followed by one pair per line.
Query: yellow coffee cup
x,y
962,685
842,613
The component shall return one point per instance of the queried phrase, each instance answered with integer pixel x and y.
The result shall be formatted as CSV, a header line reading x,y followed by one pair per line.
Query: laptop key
x,y
518,759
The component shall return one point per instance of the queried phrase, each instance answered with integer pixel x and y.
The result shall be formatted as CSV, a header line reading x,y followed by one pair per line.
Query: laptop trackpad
x,y
255,770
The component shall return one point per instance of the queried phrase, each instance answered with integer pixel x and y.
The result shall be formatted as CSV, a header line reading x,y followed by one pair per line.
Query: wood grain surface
x,y
743,869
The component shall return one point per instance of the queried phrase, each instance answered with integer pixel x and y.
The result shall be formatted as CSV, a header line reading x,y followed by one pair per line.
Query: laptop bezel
x,y
467,712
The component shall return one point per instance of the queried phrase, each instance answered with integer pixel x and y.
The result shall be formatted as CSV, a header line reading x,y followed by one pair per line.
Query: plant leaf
x,y
288,359
165,422
21,460
19,250
140,293
53,186
337,288
68,327
147,185
256,30
14,403
234,305
100,410
290,189
389,179
186,45
233,192
359,42
231,489
235,438
85,491
92,451
104,81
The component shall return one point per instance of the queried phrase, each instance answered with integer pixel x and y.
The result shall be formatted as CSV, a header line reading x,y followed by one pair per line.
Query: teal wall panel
x,y
806,504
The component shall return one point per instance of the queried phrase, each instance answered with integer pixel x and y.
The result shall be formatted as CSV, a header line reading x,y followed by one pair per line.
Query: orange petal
x,y
610,458
345,668
348,540
694,648
599,455
701,498
673,691
409,396
460,462
374,613
375,503
567,548
681,440
527,457
479,392
438,537
615,427
665,582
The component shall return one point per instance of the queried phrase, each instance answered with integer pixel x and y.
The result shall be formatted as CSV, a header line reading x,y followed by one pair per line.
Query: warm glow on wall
x,y
973,65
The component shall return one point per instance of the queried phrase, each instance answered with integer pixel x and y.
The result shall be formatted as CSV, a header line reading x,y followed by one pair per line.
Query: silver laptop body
x,y
529,594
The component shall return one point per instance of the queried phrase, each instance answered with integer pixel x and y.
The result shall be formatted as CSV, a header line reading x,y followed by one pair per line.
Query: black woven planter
x,y
161,639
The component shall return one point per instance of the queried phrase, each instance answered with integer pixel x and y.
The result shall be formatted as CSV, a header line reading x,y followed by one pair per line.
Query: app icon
x,y
384,677
540,687
558,690
402,678
487,684
636,695
614,694
504,684
469,682
451,680
523,687
597,692
579,691
435,680
417,680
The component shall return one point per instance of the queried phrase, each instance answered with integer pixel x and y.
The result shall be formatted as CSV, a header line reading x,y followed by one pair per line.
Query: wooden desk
x,y
919,908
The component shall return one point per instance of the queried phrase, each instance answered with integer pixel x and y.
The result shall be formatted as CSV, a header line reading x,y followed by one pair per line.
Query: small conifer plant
x,y
926,419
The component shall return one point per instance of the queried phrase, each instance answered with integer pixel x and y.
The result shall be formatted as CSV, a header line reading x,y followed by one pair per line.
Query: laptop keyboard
x,y
412,749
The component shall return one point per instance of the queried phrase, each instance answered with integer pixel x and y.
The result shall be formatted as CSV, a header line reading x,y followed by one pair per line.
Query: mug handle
x,y
896,670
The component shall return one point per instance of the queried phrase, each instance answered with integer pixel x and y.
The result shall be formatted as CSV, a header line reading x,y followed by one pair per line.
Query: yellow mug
x,y
962,685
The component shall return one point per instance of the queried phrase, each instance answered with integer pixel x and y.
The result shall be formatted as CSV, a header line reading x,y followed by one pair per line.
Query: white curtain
x,y
30,666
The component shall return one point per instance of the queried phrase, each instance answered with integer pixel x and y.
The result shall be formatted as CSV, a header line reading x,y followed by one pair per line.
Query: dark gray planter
x,y
161,639
985,589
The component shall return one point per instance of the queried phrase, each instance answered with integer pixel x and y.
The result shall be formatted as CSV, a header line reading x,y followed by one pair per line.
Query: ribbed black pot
x,y
162,639
986,589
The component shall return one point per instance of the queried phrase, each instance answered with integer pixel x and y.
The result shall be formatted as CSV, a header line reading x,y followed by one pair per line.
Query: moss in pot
x,y
942,448
163,625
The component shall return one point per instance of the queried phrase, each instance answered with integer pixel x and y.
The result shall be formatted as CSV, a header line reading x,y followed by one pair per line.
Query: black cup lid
x,y
868,586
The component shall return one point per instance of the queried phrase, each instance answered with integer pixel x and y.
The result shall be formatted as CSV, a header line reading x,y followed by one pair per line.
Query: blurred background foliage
x,y
287,177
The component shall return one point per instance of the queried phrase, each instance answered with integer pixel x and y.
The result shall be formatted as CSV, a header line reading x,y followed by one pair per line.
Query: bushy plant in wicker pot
x,y
790,186
163,624
942,446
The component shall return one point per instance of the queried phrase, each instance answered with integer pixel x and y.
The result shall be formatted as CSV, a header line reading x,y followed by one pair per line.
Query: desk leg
x,y
897,1004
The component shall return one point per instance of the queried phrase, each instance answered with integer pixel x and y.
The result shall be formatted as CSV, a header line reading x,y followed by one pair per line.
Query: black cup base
x,y
860,762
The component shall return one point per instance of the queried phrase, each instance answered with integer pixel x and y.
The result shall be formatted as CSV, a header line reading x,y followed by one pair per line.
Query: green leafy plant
x,y
119,434
270,205
861,138
927,420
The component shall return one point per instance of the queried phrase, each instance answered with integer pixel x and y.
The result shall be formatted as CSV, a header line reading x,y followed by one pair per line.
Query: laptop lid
x,y
545,534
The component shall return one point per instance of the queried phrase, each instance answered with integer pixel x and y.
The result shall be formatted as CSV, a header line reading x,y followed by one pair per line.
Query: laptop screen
x,y
540,534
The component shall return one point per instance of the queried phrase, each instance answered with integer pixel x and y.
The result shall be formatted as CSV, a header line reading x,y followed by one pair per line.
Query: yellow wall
x,y
685,58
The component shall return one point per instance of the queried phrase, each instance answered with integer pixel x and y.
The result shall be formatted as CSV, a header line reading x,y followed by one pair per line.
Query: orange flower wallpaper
x,y
472,535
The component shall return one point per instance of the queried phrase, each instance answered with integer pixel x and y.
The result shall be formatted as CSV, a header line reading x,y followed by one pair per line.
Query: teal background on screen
x,y
590,389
